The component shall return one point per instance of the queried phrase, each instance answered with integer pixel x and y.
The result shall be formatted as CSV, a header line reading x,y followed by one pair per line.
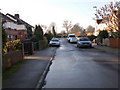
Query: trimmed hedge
x,y
43,43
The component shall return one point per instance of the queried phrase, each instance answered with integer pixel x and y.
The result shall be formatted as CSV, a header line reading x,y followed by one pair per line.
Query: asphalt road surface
x,y
82,68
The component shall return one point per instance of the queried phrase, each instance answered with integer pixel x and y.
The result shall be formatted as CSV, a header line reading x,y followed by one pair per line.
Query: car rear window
x,y
72,36
84,39
55,40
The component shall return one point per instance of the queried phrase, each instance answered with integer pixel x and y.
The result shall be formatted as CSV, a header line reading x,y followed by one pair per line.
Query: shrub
x,y
12,46
102,35
92,37
116,34
43,43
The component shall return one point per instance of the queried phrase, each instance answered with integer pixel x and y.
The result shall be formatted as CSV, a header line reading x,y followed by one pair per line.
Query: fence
x,y
106,42
28,47
114,42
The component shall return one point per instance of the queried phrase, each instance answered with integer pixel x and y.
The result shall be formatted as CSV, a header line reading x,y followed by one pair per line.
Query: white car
x,y
72,38
84,42
54,42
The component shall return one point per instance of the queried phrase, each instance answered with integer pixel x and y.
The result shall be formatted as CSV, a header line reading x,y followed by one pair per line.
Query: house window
x,y
9,37
15,37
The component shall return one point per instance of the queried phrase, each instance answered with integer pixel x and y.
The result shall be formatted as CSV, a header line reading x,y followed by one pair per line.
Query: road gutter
x,y
41,81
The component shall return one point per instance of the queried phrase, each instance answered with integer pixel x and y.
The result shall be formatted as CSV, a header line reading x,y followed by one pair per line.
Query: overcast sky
x,y
44,12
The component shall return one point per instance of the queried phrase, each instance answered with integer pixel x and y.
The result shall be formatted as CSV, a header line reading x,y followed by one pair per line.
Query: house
x,y
110,23
15,27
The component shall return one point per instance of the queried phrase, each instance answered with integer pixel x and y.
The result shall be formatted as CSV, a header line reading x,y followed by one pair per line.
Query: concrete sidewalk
x,y
31,72
107,49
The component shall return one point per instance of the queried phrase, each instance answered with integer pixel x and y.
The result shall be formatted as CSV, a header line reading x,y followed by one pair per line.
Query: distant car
x,y
54,42
84,42
78,37
72,38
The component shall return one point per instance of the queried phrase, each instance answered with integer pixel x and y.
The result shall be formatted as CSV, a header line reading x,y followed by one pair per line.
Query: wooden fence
x,y
114,42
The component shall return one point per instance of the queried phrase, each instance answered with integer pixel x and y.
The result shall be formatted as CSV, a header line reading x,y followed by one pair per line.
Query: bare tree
x,y
76,29
67,24
63,32
90,29
108,15
44,27
53,28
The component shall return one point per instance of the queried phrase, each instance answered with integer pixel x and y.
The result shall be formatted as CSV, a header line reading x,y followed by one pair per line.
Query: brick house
x,y
15,27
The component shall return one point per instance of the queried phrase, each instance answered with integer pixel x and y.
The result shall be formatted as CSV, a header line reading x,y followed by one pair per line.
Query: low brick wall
x,y
11,58
114,42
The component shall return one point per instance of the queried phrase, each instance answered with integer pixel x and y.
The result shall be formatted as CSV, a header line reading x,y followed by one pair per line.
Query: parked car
x,y
72,38
78,37
54,42
84,42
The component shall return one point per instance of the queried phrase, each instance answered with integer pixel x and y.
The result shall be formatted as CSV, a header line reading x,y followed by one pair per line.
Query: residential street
x,y
60,44
82,68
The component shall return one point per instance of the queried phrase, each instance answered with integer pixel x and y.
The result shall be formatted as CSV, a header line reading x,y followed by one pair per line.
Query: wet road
x,y
82,68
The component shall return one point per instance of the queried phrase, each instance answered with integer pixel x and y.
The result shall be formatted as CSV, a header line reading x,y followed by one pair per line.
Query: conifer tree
x,y
53,30
38,33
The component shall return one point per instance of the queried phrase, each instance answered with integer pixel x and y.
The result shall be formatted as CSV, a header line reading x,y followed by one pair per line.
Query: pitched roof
x,y
18,20
6,18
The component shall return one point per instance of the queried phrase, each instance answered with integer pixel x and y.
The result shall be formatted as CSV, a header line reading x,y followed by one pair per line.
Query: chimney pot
x,y
17,15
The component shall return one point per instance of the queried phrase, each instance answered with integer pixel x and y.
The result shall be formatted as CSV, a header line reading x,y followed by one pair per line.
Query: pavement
x,y
107,49
32,72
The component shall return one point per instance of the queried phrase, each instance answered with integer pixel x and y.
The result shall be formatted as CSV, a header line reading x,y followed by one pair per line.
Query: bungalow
x,y
15,27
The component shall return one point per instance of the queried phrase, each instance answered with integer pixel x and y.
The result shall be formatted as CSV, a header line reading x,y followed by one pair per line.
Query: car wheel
x,y
90,46
77,45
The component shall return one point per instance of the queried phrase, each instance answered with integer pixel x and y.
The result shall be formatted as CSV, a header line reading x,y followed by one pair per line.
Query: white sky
x,y
44,12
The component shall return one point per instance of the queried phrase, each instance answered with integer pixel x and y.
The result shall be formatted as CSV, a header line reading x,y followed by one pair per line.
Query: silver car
x,y
73,40
54,42
84,42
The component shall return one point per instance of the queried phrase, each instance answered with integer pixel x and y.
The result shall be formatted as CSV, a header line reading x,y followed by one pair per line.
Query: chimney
x,y
17,15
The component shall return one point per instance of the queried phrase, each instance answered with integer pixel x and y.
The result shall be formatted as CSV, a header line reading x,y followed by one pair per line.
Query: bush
x,y
43,43
116,34
48,37
92,37
102,35
12,46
